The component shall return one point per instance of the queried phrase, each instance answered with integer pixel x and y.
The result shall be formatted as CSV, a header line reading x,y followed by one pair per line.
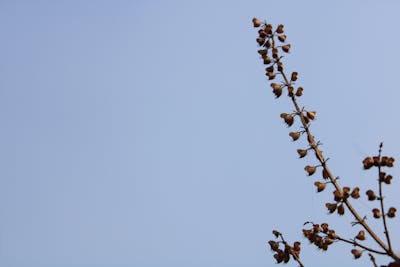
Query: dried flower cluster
x,y
271,41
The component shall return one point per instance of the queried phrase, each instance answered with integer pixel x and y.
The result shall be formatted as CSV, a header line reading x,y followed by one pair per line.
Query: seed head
x,y
331,207
355,193
302,152
311,115
299,91
371,195
324,227
320,186
368,162
387,179
260,41
361,235
256,22
340,209
295,135
282,38
310,169
391,212
279,29
376,213
286,48
357,253
294,76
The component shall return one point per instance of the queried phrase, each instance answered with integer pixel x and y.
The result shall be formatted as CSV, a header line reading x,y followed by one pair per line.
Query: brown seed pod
x,y
271,75
275,53
325,174
316,228
382,176
274,245
269,69
311,114
282,38
361,235
387,179
278,257
295,135
276,233
355,193
389,162
290,91
391,212
294,76
328,241
262,52
260,41
368,162
337,195
320,186
296,246
356,253
332,234
371,195
377,161
306,120
324,227
299,91
267,44
262,33
376,213
279,66
384,161
256,22
279,29
331,207
267,60
302,152
346,192
286,48
310,169
340,209
289,119
268,28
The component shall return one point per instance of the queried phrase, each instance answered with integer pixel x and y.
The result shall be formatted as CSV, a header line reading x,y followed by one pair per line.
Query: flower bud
x,y
256,22
310,169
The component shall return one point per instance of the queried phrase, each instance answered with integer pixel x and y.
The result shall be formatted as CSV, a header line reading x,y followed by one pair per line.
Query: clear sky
x,y
145,134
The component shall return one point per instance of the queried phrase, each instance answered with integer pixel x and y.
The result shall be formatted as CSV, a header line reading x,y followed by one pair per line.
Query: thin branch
x,y
372,258
381,201
295,255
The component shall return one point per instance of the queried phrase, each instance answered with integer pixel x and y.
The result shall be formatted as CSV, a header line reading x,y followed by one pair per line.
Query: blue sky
x,y
144,133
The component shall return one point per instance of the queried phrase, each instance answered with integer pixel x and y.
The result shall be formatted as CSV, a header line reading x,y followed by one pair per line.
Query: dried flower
x,y
337,195
361,235
387,179
331,207
288,118
391,212
271,75
368,162
355,193
296,246
311,115
282,38
310,169
294,76
371,195
376,213
279,29
270,69
262,33
340,209
267,60
290,91
286,48
389,162
320,186
260,41
295,135
377,161
302,152
357,253
346,192
276,233
268,28
275,53
256,22
262,52
299,91
324,227
274,245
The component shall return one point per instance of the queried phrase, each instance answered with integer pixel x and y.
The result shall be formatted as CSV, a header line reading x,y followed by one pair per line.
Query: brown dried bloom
x,y
256,22
311,114
368,162
337,195
310,169
286,48
371,195
279,29
295,135
320,186
361,235
299,91
294,76
282,38
340,209
355,193
302,152
387,179
288,118
376,213
391,212
346,192
267,60
357,253
274,245
377,161
260,41
324,227
331,207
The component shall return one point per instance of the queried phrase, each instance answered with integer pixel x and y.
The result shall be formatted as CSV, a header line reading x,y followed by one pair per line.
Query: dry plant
x,y
272,42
